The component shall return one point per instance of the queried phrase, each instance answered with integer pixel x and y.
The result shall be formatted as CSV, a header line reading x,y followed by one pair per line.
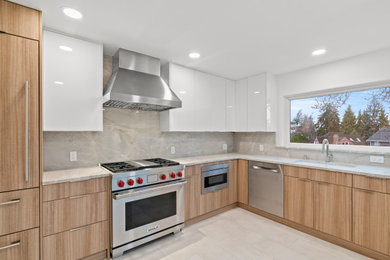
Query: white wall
x,y
371,68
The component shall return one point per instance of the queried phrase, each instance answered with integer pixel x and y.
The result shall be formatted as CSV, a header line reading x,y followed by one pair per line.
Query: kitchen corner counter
x,y
367,170
72,175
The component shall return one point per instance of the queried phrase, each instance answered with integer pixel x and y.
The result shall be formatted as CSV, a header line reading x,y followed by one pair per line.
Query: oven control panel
x,y
135,179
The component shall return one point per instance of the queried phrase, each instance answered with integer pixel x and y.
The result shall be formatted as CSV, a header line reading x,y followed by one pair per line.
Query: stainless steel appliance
x,y
147,201
266,187
135,83
215,177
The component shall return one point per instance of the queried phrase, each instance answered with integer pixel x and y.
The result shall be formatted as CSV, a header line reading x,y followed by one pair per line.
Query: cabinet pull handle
x,y
323,183
305,180
77,197
27,110
11,245
10,202
367,191
79,228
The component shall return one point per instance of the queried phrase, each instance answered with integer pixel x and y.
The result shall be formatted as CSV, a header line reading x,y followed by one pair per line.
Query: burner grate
x,y
118,166
162,162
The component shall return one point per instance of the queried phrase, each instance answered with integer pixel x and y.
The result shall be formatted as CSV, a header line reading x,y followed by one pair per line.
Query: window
x,y
349,118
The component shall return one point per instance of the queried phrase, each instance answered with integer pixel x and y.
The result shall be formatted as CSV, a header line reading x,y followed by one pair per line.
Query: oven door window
x,y
145,211
214,180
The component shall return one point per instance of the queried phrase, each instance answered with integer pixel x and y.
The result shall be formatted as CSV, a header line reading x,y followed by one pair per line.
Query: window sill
x,y
375,150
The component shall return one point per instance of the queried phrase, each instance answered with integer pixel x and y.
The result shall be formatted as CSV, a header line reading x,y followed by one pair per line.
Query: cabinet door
x,y
333,209
181,81
257,103
242,180
371,220
298,200
211,101
19,97
20,20
20,246
241,106
230,105
192,196
72,84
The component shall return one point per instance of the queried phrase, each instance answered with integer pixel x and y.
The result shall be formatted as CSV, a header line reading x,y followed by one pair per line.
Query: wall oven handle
x,y
147,189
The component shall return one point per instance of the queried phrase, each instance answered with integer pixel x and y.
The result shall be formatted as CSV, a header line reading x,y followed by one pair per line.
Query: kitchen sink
x,y
325,164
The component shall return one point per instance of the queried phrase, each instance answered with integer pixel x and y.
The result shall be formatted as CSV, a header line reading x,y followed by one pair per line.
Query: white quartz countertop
x,y
71,175
372,171
80,174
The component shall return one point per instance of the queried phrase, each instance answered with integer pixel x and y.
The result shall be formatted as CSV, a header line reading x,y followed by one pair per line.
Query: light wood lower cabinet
x,y
20,246
333,209
219,199
371,220
242,182
76,243
19,210
298,200
79,211
192,193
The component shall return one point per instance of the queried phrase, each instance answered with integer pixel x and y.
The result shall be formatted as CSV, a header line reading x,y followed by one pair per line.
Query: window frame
x,y
382,150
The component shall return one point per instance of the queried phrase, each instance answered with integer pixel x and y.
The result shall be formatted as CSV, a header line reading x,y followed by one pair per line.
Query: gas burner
x,y
119,167
162,162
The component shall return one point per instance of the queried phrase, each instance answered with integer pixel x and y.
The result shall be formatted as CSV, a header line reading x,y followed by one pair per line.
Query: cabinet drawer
x,y
299,172
19,210
76,243
58,215
67,189
338,178
22,246
20,20
371,183
88,240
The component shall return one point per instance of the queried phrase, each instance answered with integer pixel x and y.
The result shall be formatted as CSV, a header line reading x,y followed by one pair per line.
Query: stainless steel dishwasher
x,y
266,187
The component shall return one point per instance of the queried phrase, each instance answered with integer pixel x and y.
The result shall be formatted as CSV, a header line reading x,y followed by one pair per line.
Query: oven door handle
x,y
146,189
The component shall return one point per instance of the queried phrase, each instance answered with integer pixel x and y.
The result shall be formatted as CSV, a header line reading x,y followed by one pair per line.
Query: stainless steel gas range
x,y
147,201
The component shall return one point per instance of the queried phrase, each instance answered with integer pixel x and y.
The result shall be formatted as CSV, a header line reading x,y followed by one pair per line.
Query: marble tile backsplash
x,y
248,143
127,134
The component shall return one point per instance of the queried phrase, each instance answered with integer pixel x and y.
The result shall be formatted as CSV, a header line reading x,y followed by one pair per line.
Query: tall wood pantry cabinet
x,y
20,131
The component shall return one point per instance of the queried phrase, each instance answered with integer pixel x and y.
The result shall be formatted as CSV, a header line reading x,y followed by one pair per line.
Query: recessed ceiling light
x,y
72,13
65,48
182,92
60,83
256,92
194,55
318,52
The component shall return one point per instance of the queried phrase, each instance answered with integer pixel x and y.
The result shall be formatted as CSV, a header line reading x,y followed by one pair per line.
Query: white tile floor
x,y
239,234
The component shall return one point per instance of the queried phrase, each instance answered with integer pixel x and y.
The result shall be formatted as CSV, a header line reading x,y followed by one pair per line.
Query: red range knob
x,y
121,184
173,175
140,180
179,174
130,182
163,177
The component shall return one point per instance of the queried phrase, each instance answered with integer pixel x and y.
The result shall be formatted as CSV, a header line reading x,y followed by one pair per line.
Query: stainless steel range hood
x,y
135,83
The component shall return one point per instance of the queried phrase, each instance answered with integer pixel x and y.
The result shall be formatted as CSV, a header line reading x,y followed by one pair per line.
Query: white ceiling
x,y
236,38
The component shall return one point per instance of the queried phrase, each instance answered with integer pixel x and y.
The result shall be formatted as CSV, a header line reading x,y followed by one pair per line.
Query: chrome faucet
x,y
329,155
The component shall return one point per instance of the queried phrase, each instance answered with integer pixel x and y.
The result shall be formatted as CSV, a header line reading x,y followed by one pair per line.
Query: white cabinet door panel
x,y
72,84
257,103
230,105
241,124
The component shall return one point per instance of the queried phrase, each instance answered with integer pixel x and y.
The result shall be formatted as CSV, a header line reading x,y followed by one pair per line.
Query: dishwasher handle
x,y
278,169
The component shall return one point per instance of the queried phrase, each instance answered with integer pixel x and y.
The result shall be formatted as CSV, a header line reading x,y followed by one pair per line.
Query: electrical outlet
x,y
377,159
224,147
173,150
73,156
261,148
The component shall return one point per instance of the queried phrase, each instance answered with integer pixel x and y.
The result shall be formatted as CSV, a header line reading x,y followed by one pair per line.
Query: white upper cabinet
x,y
72,84
241,110
215,104
256,103
203,99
